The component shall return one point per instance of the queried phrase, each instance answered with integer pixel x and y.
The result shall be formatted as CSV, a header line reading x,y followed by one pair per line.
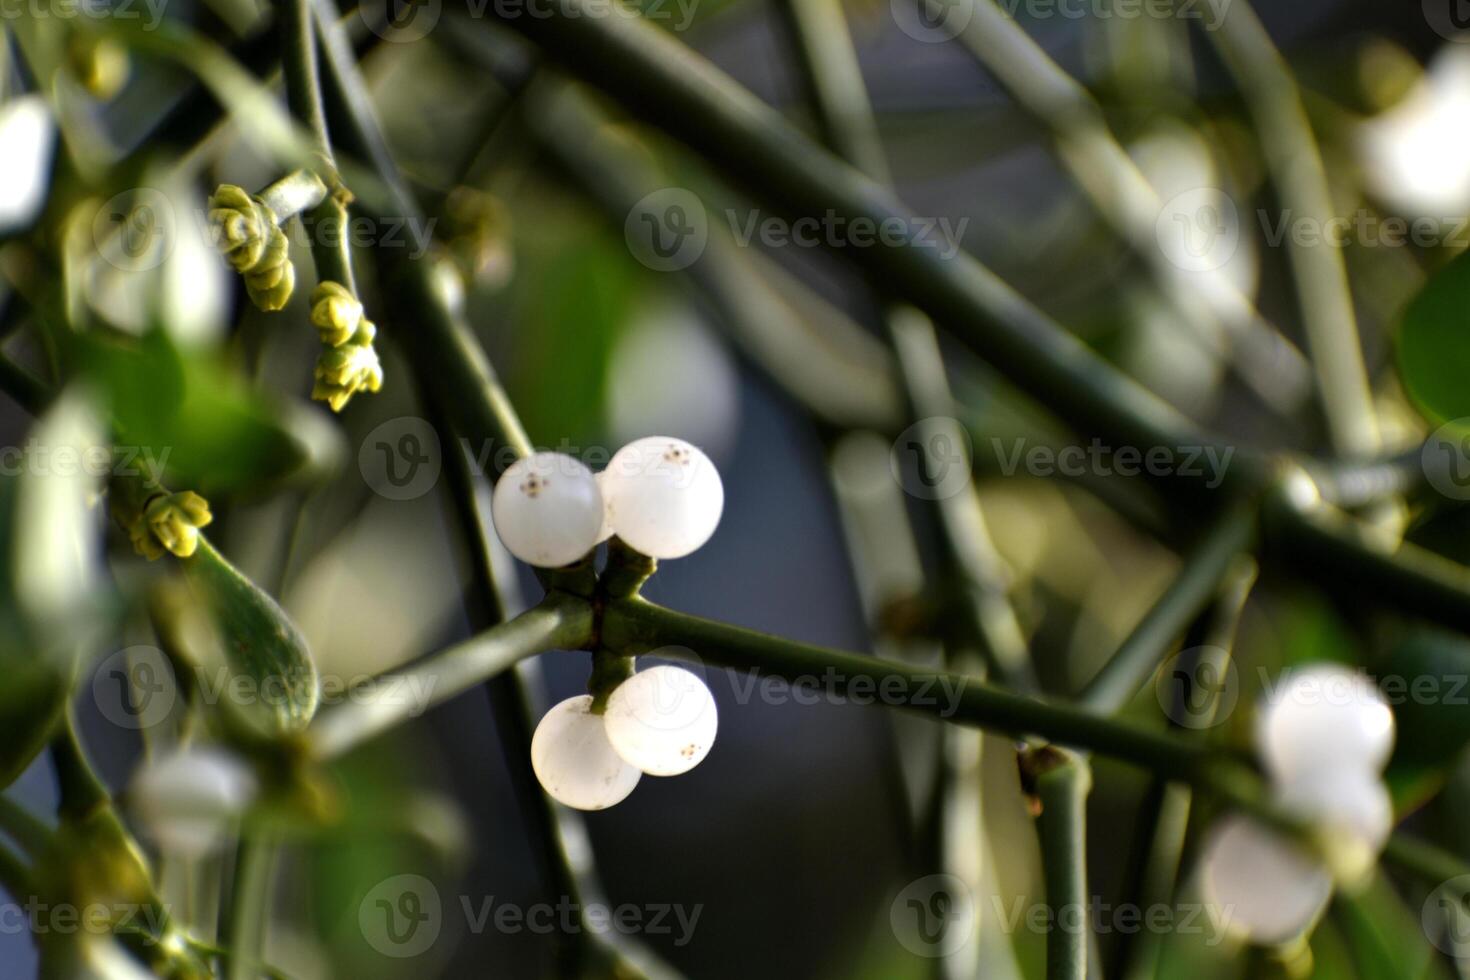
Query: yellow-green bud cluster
x,y
165,522
249,234
349,364
175,520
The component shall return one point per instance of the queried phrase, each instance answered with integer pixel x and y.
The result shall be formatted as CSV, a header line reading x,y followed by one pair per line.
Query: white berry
x,y
547,509
664,496
187,801
1258,884
1324,716
574,761
1344,799
662,720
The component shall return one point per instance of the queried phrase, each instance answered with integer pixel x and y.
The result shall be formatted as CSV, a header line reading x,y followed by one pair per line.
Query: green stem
x,y
1198,583
1269,363
81,790
1341,554
658,78
1061,781
559,622
29,391
826,363
326,224
824,50
250,905
1163,819
24,827
298,191
509,704
441,343
1432,863
15,877
635,626
1295,165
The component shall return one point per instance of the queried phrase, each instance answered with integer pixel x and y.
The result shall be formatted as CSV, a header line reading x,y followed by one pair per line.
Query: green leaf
x,y
1424,680
188,415
1386,939
1434,343
257,642
32,701
577,300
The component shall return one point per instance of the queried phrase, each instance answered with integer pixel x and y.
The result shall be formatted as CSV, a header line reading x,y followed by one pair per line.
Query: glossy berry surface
x,y
575,762
662,720
664,496
1324,716
547,509
1258,884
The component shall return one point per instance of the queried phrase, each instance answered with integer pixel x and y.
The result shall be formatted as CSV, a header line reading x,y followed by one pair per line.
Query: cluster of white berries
x,y
663,498
660,722
1324,736
660,495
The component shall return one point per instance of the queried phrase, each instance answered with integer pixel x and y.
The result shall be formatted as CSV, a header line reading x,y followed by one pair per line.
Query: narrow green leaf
x,y
32,701
271,669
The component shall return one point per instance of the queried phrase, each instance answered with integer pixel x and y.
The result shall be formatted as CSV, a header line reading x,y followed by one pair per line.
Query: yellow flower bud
x,y
100,64
336,313
250,236
342,372
175,519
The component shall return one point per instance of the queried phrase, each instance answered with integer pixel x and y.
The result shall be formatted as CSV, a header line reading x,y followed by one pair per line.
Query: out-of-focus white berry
x,y
1352,805
1323,716
1353,800
1259,885
664,496
187,801
574,761
662,720
104,958
547,509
